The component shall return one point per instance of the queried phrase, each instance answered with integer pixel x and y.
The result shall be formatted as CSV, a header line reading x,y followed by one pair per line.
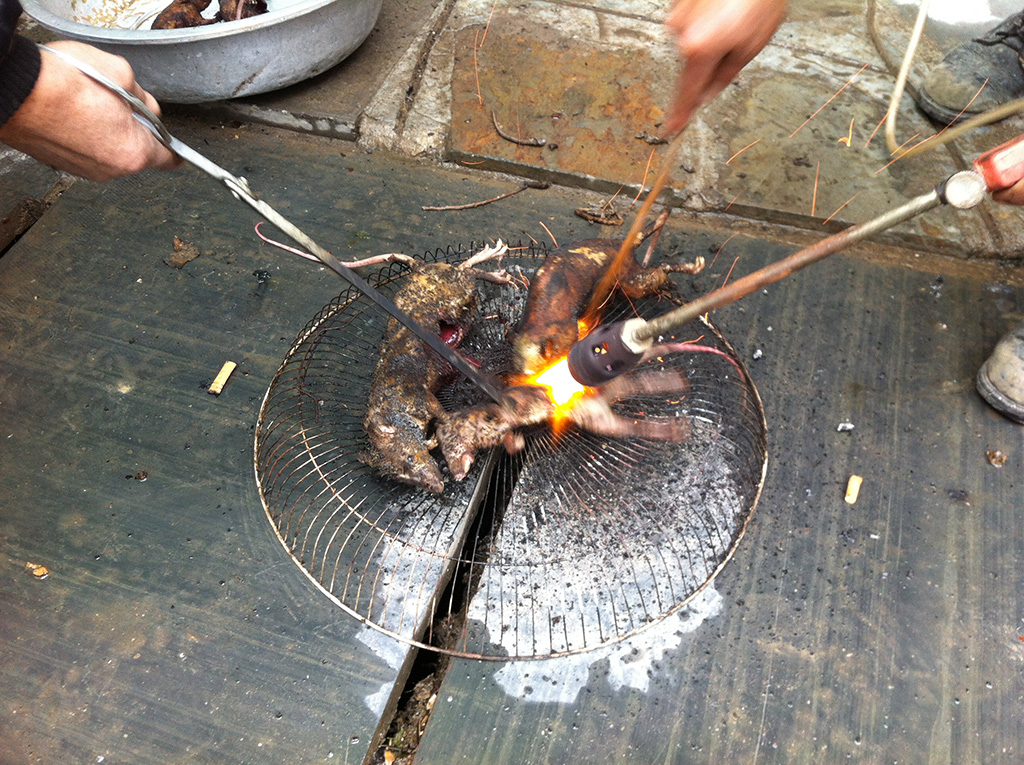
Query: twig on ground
x,y
513,139
470,205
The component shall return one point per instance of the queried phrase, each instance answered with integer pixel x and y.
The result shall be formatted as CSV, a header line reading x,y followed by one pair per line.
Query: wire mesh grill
x,y
577,541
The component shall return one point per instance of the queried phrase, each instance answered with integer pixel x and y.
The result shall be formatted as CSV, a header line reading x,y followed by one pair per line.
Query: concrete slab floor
x,y
407,91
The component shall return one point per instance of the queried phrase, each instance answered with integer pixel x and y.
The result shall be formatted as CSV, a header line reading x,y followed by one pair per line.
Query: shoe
x,y
996,57
1001,378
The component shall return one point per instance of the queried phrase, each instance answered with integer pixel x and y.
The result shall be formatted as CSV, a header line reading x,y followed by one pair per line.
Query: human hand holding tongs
x,y
239,188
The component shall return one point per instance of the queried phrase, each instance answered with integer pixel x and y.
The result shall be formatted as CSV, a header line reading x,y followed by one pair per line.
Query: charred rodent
x,y
403,410
183,14
462,434
561,288
404,419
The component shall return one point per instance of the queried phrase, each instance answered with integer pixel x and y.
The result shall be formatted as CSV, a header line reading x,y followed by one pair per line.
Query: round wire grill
x,y
577,541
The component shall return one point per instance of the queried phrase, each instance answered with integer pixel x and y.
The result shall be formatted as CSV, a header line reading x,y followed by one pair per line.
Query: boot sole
x,y
996,398
939,113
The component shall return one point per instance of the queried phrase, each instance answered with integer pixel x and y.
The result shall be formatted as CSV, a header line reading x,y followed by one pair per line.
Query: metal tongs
x,y
239,188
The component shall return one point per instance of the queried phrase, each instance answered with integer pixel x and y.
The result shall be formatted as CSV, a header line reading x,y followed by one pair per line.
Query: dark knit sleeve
x,y
19,62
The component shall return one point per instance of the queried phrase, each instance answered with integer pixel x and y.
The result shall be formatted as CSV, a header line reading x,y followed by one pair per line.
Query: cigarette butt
x,y
222,377
853,489
37,570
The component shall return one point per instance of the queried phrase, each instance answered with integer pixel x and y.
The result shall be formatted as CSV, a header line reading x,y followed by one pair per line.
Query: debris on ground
x,y
184,252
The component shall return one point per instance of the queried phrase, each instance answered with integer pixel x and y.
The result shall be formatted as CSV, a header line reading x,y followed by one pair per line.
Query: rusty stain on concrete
x,y
588,103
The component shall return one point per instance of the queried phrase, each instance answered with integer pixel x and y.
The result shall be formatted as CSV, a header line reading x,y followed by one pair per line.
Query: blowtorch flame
x,y
562,386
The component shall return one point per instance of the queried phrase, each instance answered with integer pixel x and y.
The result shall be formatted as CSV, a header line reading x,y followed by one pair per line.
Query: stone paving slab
x,y
332,103
593,104
749,153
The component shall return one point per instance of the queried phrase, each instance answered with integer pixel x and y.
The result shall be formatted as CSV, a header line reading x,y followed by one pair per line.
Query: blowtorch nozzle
x,y
607,352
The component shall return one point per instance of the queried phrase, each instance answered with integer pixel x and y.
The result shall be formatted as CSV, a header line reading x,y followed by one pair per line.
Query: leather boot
x,y
995,56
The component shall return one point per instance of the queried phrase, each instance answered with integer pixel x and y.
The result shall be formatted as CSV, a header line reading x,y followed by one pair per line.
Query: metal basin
x,y
295,40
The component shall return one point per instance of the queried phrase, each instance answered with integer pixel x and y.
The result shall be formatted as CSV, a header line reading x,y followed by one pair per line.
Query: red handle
x,y
1003,166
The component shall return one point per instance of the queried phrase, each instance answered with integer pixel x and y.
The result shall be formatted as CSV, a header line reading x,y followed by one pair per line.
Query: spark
x,y
913,150
915,135
549,232
834,95
844,204
734,262
643,182
720,250
476,67
916,149
975,98
901,156
879,125
849,136
741,151
732,202
814,194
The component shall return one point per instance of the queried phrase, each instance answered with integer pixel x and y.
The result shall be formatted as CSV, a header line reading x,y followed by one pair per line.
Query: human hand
x,y
716,38
73,123
1011,196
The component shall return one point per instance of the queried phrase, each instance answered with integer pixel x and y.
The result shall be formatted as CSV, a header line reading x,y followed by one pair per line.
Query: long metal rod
x,y
783,268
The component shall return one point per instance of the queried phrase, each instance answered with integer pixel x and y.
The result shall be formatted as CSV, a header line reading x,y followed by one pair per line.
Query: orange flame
x,y
561,385
562,388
